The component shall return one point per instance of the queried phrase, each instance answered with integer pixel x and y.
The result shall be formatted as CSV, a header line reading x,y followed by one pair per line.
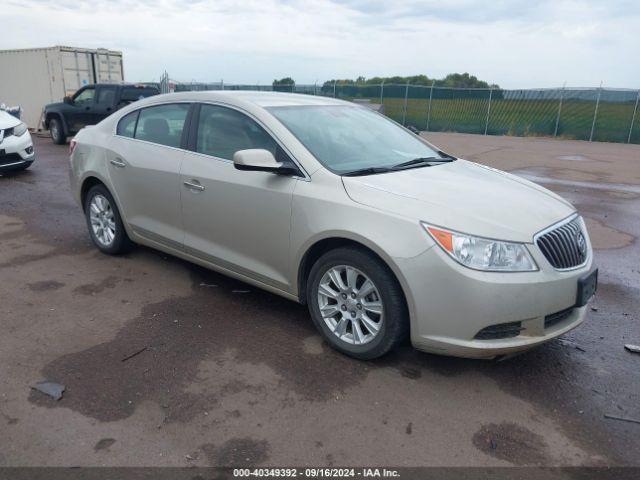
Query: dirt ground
x,y
224,374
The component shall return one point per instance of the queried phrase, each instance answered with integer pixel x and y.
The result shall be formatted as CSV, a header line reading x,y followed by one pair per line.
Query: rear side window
x,y
131,94
223,131
162,124
106,95
127,124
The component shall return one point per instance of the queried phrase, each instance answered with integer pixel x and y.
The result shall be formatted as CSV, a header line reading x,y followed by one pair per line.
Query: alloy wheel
x,y
350,304
102,220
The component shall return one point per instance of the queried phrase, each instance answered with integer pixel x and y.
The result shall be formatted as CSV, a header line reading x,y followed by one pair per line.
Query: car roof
x,y
253,97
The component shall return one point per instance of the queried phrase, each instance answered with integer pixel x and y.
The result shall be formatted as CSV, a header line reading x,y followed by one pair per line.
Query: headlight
x,y
483,253
20,129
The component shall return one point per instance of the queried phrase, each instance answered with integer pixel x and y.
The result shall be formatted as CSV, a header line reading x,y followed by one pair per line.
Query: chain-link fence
x,y
598,114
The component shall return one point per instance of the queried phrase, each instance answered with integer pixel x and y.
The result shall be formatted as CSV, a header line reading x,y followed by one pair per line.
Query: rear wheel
x,y
356,303
104,222
57,132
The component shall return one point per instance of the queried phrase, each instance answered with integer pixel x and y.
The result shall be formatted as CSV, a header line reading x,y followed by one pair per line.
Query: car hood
x,y
7,121
463,196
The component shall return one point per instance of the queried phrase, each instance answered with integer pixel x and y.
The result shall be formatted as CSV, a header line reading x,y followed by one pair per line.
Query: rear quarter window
x,y
127,125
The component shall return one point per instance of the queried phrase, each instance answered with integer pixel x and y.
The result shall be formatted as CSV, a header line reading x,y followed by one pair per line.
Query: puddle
x,y
574,158
238,452
604,237
525,173
512,443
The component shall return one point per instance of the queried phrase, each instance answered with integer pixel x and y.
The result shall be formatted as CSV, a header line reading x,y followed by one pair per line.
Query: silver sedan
x,y
332,205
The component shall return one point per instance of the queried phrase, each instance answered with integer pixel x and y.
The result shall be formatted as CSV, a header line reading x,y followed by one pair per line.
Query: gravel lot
x,y
230,375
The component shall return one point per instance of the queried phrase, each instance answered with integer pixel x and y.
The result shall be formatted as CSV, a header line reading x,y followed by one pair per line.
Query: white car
x,y
16,146
337,207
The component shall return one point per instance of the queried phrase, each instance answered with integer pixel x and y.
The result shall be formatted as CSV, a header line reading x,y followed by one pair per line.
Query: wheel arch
x,y
88,183
91,179
51,115
323,245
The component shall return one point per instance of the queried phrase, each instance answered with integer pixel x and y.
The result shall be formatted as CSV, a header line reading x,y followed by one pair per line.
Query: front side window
x,y
85,96
349,138
127,124
162,124
223,131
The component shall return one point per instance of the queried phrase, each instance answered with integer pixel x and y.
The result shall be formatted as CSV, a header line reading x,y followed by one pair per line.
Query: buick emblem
x,y
581,243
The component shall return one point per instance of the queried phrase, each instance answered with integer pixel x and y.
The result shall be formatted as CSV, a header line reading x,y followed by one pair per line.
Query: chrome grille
x,y
565,246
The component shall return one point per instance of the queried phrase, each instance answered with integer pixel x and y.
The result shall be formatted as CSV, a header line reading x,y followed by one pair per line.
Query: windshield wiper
x,y
367,171
416,162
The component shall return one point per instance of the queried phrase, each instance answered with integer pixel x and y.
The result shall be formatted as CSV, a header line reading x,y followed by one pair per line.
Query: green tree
x,y
286,84
457,80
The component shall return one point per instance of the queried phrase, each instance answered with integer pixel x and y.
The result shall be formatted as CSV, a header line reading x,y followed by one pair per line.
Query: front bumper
x,y
16,152
451,304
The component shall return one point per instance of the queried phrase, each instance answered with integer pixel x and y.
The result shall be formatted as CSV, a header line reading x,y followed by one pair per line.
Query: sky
x,y
516,44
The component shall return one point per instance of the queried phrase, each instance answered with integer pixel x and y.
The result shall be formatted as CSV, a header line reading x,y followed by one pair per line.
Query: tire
x,y
56,130
348,330
100,207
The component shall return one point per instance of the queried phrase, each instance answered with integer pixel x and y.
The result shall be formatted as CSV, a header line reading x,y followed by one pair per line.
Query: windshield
x,y
348,138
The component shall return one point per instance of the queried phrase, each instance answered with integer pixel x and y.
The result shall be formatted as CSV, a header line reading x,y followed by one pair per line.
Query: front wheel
x,y
104,222
356,303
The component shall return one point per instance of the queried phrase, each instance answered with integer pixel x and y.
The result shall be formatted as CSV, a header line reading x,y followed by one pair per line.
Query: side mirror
x,y
259,160
68,100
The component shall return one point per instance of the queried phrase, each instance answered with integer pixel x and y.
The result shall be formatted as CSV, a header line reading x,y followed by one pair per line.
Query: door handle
x,y
194,186
118,163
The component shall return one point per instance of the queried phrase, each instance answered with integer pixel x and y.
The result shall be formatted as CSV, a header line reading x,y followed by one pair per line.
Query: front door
x,y
238,220
80,112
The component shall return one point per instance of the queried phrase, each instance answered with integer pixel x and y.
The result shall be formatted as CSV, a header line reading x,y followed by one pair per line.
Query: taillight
x,y
72,146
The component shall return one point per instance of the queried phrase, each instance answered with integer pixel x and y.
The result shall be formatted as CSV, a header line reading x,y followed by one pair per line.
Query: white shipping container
x,y
32,78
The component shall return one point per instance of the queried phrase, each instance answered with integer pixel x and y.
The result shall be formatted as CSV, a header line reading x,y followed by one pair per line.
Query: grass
x,y
518,117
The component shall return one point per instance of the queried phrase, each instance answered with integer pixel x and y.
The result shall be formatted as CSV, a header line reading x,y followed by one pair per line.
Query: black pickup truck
x,y
88,106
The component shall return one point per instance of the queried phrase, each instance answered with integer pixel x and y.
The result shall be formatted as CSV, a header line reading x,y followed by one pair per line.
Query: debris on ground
x,y
104,444
138,352
594,309
54,390
622,419
632,348
211,285
241,291
572,344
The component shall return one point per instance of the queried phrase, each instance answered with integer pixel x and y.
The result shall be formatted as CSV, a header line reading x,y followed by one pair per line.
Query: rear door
x,y
235,219
105,102
144,165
